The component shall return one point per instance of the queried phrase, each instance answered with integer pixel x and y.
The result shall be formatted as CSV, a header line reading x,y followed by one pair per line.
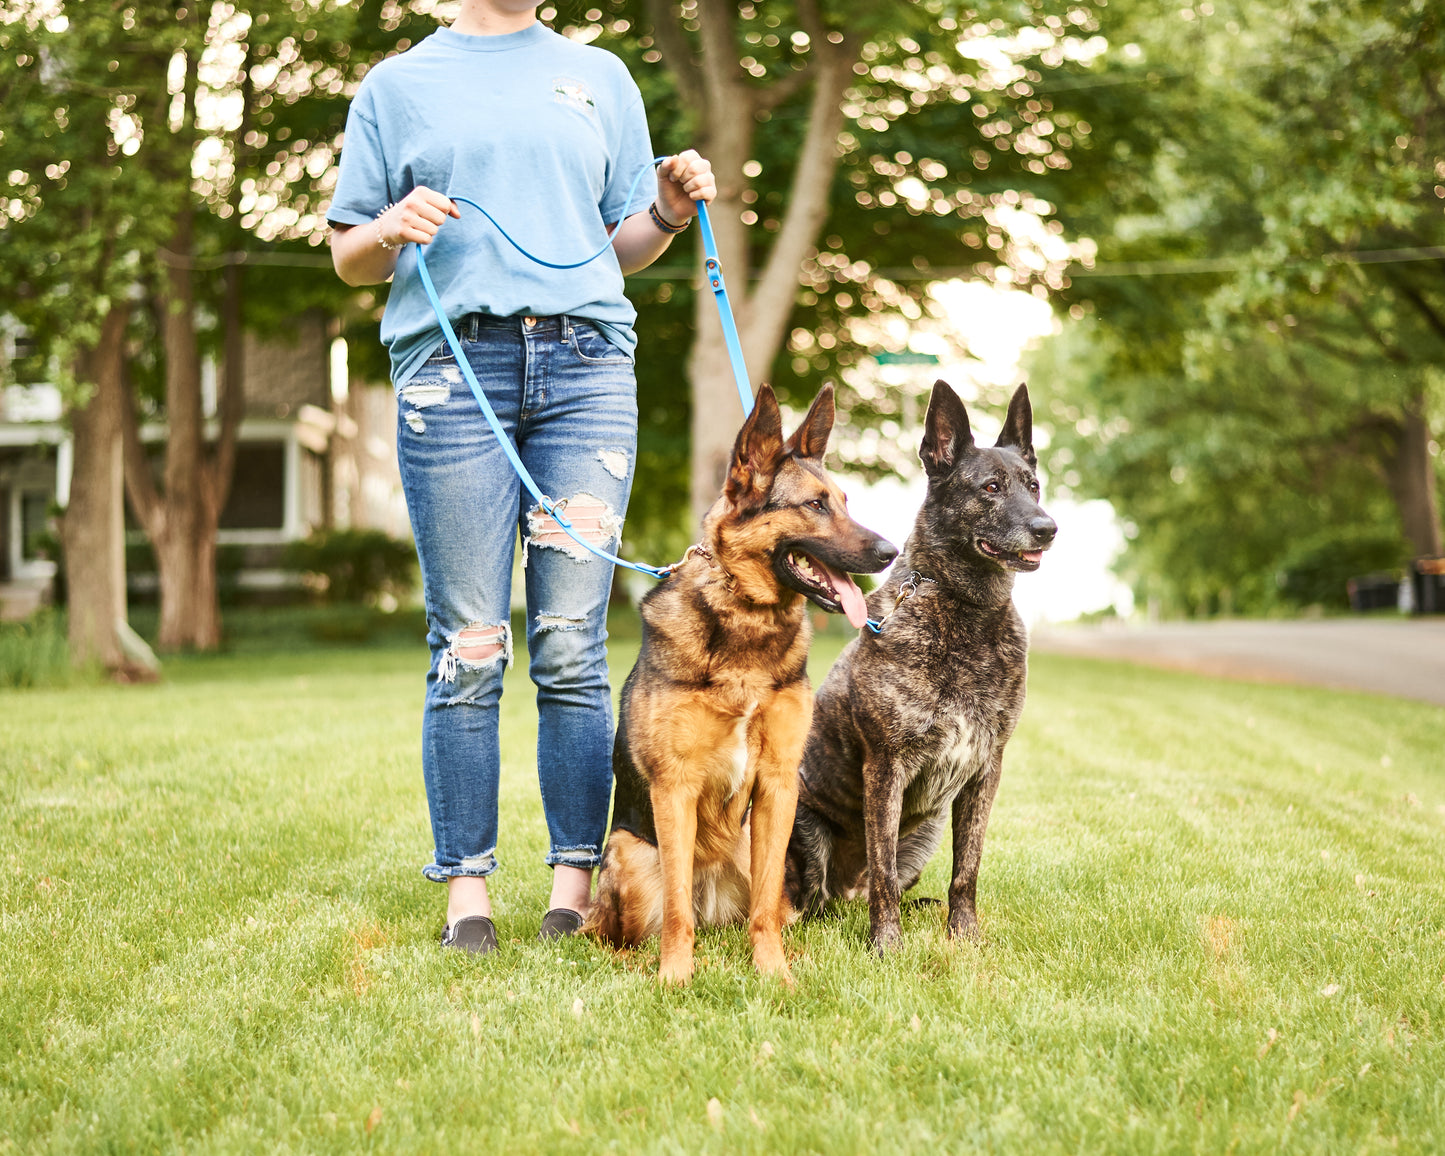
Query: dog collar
x,y
695,548
702,552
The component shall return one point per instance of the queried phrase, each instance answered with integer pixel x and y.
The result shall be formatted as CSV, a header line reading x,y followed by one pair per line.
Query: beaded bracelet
x,y
661,223
380,240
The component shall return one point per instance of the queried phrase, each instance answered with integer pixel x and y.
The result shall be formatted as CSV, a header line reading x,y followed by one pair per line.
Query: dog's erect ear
x,y
946,433
756,453
810,440
1018,427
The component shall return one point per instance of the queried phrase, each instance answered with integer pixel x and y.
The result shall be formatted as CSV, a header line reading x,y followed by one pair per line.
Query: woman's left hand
x,y
683,180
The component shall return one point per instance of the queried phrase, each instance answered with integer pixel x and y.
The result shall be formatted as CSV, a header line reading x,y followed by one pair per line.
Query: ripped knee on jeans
x,y
475,646
590,517
546,621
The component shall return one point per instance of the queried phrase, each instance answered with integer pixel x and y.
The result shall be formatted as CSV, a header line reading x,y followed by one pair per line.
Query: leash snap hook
x,y
906,588
695,548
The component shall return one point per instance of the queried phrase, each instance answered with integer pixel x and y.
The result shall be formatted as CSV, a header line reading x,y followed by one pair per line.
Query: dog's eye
x,y
819,505
992,487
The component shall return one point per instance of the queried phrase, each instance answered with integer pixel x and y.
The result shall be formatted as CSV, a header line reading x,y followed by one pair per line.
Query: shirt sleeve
x,y
362,188
632,154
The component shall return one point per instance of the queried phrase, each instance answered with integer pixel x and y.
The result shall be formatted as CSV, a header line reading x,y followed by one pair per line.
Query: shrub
x,y
35,652
1318,569
355,566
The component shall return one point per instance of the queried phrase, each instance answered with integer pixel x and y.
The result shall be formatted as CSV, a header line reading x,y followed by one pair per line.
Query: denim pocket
x,y
441,355
591,345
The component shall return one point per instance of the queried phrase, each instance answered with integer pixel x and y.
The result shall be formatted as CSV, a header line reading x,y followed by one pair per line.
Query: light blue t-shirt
x,y
545,133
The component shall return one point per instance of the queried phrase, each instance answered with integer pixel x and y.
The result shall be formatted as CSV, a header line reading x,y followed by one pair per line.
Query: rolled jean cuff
x,y
474,867
585,857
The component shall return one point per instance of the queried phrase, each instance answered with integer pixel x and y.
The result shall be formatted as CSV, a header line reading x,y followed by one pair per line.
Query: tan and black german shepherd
x,y
715,712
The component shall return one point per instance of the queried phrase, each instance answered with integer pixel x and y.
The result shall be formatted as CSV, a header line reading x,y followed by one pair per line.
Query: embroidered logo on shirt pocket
x,y
565,90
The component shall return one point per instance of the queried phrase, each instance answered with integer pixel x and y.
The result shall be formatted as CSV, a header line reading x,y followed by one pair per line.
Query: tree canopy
x,y
1252,376
1239,203
864,153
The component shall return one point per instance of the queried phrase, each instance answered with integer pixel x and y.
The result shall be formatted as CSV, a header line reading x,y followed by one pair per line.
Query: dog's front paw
x,y
676,971
886,938
769,959
963,924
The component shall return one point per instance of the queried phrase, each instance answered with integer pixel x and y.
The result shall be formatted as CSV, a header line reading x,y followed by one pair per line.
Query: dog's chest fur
x,y
941,697
696,701
962,743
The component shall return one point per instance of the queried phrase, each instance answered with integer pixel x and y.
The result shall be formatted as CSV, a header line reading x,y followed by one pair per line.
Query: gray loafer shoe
x,y
559,923
474,934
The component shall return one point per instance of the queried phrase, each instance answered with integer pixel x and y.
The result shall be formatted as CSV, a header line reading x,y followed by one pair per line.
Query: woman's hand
x,y
682,180
416,217
366,254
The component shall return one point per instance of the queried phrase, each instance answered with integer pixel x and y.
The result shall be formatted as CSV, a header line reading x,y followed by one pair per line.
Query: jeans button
x,y
529,321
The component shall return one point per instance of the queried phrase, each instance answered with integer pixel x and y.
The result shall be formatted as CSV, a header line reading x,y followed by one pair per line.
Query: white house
x,y
314,449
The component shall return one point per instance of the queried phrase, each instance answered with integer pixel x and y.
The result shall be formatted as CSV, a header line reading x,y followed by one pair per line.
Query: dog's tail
x,y
604,920
805,878
628,906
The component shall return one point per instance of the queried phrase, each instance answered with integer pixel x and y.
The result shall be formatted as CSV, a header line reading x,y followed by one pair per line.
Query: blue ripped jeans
x,y
567,398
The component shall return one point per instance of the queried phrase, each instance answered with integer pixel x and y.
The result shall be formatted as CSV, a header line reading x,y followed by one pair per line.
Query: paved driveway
x,y
1398,656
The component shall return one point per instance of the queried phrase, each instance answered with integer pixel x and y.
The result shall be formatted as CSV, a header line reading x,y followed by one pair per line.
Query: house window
x,y
27,366
34,524
258,488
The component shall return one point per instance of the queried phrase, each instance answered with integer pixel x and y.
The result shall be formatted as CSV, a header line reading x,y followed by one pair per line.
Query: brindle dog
x,y
715,712
911,722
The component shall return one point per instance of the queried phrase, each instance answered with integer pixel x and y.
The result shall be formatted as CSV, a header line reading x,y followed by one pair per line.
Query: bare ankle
x,y
571,889
467,895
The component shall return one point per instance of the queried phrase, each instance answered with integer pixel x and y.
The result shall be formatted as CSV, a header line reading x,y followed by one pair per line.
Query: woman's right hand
x,y
366,254
416,217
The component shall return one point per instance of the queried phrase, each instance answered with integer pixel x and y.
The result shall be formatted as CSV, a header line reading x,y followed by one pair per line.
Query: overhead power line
x,y
1235,264
262,257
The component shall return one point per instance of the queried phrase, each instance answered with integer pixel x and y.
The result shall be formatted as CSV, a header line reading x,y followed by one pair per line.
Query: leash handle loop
x,y
712,269
506,236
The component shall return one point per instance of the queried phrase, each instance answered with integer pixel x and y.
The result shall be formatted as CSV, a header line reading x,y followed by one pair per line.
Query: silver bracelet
x,y
380,240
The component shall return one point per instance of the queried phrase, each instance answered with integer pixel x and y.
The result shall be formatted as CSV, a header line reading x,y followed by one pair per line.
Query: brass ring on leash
x,y
906,588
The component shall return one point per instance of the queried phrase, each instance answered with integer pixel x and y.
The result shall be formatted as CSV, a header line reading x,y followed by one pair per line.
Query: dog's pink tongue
x,y
853,605
849,596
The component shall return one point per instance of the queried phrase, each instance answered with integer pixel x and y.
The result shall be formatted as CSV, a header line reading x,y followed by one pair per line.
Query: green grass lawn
x,y
1213,915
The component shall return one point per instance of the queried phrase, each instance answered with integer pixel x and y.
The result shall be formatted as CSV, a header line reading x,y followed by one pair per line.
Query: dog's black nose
x,y
1043,530
885,551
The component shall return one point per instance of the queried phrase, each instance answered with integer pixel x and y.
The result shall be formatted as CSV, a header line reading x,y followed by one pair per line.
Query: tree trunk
x,y
190,607
1413,483
93,526
181,559
181,522
761,305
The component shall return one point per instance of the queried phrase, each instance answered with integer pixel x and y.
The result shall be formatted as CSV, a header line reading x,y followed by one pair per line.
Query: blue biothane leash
x,y
713,268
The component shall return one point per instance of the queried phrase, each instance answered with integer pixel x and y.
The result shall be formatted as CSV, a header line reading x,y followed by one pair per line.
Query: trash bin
x,y
1427,577
1379,591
